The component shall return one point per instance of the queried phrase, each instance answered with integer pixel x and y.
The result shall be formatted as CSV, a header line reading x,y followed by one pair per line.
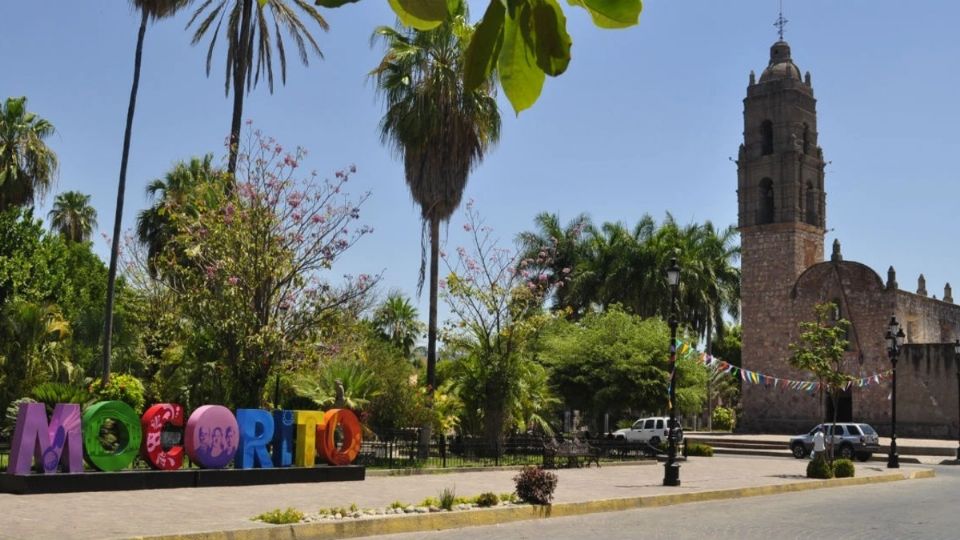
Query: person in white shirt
x,y
818,444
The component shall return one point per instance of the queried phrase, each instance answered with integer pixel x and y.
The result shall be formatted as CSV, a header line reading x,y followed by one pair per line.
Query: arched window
x,y
766,202
766,136
812,216
806,139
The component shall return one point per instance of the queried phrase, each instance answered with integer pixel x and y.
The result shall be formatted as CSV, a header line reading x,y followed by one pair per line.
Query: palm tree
x,y
397,320
558,251
72,216
27,164
154,229
439,129
149,9
244,31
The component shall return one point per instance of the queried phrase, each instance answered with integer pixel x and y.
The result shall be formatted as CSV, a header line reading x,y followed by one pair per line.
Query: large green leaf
x,y
484,46
420,14
521,77
612,13
545,30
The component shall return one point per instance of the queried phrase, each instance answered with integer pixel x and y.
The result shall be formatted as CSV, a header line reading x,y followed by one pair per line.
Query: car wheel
x,y
865,456
798,451
654,441
846,451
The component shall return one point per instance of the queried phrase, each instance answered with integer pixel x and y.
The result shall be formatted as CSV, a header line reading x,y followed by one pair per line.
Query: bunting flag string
x,y
686,352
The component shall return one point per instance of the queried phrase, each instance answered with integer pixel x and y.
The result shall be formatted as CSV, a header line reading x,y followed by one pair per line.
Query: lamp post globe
x,y
894,338
671,469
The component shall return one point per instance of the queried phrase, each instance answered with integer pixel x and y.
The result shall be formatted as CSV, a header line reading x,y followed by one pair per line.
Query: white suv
x,y
648,430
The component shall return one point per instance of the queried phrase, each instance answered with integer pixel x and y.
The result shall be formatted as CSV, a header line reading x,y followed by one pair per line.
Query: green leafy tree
x,y
254,279
618,363
396,318
27,164
496,313
247,28
149,9
29,333
822,351
523,40
170,195
72,216
441,130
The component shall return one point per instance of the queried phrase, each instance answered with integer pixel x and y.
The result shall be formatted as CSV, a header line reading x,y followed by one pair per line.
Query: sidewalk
x,y
184,511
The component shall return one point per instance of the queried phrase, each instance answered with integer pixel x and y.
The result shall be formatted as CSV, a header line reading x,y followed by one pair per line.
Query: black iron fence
x,y
459,452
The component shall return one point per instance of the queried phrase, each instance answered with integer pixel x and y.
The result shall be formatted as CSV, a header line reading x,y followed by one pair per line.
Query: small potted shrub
x,y
819,467
535,485
843,468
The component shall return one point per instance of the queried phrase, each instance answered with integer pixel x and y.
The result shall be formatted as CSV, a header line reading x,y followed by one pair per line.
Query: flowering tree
x,y
497,303
251,264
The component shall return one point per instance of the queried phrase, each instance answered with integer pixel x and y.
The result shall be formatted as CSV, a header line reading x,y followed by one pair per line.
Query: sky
x,y
645,120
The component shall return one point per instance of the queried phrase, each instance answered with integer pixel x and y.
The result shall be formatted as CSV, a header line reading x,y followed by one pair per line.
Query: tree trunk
x,y
494,414
709,351
121,188
835,400
425,432
239,76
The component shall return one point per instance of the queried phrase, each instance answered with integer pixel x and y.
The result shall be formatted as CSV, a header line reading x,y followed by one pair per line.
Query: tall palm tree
x,y
246,31
72,216
439,129
397,320
27,164
153,224
149,9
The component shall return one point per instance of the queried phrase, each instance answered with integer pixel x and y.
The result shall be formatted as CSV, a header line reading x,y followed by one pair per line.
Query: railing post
x,y
443,450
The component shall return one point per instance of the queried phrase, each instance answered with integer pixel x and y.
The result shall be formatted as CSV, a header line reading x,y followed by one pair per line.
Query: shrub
x,y
430,501
697,449
281,517
10,417
120,387
723,419
487,499
508,497
819,468
843,468
398,504
447,498
535,485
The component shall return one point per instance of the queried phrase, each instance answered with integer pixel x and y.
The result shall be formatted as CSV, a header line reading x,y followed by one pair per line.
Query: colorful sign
x,y
213,437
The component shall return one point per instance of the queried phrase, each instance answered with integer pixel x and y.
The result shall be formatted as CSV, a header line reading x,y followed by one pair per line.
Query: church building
x,y
782,200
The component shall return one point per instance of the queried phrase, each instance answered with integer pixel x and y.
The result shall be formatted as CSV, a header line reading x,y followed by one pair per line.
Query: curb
x,y
492,516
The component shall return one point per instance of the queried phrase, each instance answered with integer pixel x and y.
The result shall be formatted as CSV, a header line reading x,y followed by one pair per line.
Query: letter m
x,y
51,443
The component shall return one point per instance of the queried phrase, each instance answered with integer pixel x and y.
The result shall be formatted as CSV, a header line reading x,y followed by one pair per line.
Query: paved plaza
x,y
183,511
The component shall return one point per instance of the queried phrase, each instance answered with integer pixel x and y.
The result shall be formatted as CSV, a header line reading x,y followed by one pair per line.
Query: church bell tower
x,y
782,214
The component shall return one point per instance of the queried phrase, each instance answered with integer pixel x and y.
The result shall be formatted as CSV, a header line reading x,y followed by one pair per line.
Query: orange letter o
x,y
351,437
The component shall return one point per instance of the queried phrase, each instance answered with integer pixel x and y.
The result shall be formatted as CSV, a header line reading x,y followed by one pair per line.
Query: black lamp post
x,y
894,338
671,469
956,359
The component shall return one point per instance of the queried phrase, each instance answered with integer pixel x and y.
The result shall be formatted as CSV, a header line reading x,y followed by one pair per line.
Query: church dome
x,y
781,66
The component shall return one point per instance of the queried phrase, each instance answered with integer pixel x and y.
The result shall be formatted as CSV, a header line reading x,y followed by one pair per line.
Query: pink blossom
x,y
566,270
317,218
297,216
543,278
294,200
233,280
467,227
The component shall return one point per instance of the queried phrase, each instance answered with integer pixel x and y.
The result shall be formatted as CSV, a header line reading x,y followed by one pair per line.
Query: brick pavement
x,y
179,511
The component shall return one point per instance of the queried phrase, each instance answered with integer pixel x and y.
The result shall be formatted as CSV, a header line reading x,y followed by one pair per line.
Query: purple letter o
x,y
212,436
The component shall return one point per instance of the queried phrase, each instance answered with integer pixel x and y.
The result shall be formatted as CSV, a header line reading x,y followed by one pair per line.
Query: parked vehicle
x,y
648,430
850,441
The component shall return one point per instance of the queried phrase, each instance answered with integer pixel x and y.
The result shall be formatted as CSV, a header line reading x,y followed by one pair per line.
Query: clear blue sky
x,y
644,120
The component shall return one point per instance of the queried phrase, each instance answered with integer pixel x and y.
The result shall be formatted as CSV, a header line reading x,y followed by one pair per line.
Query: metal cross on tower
x,y
781,22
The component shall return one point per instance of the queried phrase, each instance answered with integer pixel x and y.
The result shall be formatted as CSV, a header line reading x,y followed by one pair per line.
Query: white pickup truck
x,y
648,430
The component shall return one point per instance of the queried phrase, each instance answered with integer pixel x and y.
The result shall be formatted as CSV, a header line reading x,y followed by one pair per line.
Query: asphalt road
x,y
916,509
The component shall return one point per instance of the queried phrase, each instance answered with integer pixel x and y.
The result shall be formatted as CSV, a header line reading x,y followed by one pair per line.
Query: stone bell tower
x,y
782,217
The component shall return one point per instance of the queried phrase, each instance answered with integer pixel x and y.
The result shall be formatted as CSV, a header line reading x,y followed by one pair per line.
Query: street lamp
x,y
894,338
956,360
671,469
